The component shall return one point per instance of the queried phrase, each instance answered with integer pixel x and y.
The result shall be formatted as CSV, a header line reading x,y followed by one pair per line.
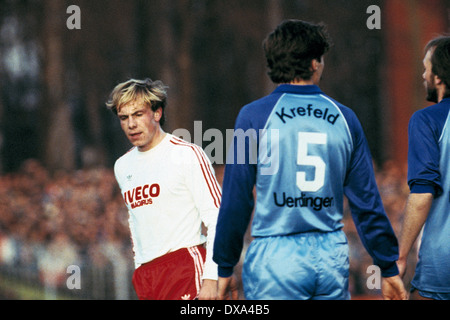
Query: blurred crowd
x,y
49,222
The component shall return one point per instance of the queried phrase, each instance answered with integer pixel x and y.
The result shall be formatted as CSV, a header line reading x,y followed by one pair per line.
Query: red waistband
x,y
171,255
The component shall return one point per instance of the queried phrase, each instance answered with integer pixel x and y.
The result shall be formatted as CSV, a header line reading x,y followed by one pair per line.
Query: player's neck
x,y
157,139
301,82
315,79
442,92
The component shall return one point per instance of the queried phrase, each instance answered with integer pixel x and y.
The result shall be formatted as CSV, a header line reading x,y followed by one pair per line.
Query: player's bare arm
x,y
417,208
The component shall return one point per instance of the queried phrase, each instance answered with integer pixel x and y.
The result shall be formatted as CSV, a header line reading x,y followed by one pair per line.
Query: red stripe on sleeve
x,y
211,182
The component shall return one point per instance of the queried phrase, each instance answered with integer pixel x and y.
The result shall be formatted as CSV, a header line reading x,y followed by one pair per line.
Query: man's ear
x,y
314,64
157,115
437,80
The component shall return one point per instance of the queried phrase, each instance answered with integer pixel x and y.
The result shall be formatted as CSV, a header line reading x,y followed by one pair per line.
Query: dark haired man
x,y
429,180
311,151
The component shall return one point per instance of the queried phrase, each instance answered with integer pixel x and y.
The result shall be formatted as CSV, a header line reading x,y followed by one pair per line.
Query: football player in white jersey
x,y
170,189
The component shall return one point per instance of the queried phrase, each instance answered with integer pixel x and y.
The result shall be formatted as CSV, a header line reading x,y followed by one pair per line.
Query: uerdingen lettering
x,y
317,203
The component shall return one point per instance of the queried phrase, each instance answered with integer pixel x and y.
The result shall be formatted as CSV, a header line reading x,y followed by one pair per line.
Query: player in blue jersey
x,y
302,151
428,205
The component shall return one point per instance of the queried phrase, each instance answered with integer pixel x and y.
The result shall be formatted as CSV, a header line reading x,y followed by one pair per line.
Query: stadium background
x,y
59,202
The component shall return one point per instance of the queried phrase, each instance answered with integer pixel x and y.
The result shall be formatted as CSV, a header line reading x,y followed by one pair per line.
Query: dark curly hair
x,y
291,47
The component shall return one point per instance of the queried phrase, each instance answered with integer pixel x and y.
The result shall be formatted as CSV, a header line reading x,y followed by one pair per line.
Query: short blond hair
x,y
154,93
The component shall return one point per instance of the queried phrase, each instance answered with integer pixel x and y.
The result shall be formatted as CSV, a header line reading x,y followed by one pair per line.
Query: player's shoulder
x,y
123,163
437,112
185,154
430,119
269,101
125,157
347,111
183,147
255,114
254,108
180,143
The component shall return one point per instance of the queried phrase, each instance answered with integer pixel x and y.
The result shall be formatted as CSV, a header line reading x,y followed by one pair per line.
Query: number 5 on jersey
x,y
303,159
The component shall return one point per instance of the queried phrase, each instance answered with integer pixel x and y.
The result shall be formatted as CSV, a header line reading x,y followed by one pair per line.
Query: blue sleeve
x,y
371,221
424,132
237,203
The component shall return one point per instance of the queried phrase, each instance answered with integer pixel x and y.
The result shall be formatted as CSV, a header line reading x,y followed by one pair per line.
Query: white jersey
x,y
169,191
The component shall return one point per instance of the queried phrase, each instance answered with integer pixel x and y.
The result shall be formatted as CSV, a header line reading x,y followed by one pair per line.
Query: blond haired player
x,y
169,188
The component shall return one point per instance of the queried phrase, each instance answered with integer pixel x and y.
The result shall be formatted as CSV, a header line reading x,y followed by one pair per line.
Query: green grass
x,y
17,290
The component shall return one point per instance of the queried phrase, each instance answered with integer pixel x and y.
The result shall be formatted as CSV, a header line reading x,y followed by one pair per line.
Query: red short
x,y
174,276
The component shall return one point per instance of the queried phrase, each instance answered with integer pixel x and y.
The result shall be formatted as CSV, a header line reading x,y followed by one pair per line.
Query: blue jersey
x,y
429,172
302,152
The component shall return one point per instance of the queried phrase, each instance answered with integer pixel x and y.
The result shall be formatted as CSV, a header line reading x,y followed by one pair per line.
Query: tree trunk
x,y
57,134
